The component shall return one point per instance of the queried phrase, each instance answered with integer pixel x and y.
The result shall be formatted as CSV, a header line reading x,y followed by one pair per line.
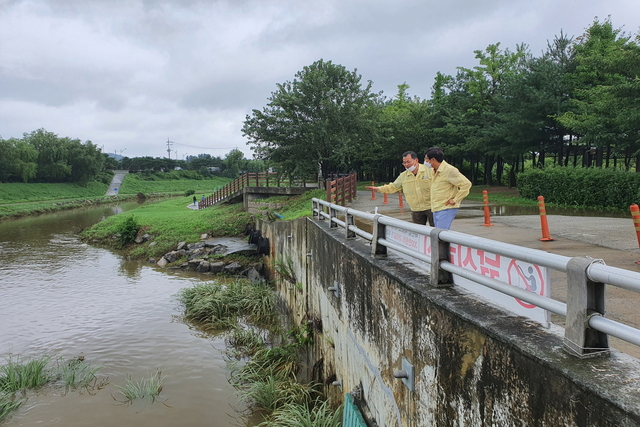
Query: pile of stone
x,y
204,257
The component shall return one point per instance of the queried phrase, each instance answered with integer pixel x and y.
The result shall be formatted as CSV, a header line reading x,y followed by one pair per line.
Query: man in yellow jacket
x,y
415,183
448,188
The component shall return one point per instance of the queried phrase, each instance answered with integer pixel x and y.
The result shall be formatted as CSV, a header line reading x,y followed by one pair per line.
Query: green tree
x,y
404,123
18,161
318,122
234,164
86,161
530,101
606,87
109,162
53,156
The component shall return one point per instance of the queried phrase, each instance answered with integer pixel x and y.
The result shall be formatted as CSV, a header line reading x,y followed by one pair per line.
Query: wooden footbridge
x,y
252,186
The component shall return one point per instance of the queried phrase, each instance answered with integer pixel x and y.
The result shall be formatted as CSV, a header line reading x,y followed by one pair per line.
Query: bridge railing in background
x,y
587,329
341,190
259,179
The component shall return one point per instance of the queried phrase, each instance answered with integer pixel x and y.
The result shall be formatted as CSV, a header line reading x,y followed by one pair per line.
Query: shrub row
x,y
581,187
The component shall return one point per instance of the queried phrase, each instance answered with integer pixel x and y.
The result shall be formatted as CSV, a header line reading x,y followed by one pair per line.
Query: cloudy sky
x,y
130,74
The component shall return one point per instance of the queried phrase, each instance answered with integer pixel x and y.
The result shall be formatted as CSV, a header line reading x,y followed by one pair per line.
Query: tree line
x,y
42,156
576,104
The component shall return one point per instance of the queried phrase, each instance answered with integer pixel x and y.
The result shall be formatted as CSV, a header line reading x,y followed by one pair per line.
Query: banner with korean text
x,y
524,275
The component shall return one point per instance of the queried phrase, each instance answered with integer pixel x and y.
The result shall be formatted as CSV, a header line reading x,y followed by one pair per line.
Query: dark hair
x,y
410,153
435,153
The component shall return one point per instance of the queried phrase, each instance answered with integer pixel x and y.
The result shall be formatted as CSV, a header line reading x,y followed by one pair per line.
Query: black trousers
x,y
422,217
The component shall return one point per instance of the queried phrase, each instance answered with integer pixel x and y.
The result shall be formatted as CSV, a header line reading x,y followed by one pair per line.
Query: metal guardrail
x,y
586,330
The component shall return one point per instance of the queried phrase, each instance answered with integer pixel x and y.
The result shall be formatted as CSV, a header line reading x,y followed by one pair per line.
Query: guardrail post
x,y
584,299
439,252
315,209
348,221
332,214
379,232
328,185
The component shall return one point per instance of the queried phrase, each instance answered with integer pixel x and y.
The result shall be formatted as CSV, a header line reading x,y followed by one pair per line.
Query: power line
x,y
206,148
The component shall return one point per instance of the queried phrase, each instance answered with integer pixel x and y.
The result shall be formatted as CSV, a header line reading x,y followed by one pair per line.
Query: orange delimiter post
x,y
373,192
485,200
400,200
635,214
543,220
385,199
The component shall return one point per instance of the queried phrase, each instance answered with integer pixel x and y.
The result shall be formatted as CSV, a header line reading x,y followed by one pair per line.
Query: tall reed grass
x,y
8,404
146,388
221,305
76,373
243,342
21,375
320,414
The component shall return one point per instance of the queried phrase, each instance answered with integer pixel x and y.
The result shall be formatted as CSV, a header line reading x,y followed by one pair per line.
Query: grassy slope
x,y
133,185
18,199
171,222
21,193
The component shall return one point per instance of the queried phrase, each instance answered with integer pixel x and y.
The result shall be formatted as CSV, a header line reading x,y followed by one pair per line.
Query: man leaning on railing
x,y
415,183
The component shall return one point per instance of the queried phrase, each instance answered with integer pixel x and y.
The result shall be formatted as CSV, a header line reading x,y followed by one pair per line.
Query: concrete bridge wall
x,y
475,365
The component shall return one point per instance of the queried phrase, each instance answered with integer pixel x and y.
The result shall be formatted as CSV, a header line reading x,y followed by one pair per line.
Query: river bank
x,y
65,298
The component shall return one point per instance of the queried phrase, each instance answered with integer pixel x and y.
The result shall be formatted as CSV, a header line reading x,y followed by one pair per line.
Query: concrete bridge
x,y
466,361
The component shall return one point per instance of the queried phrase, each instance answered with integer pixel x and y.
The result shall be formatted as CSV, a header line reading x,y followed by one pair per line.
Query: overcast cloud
x,y
128,75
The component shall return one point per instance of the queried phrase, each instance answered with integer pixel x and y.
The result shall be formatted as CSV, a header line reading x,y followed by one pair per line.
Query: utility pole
x,y
169,144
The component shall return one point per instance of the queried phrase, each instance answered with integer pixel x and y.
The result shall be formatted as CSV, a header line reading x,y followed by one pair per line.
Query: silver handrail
x,y
584,274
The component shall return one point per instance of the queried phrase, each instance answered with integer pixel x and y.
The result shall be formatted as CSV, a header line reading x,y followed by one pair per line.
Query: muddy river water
x,y
62,298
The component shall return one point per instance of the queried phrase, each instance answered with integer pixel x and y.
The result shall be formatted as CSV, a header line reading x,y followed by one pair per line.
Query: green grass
x,y
171,222
296,206
500,195
273,392
18,210
244,342
320,414
284,268
76,373
133,185
221,305
146,388
21,193
8,404
19,375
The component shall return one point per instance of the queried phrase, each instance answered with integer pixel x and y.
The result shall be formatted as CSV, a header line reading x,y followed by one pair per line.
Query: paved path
x,y
116,182
610,239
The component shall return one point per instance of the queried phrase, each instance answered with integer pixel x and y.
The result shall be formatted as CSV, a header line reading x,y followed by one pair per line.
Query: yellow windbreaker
x,y
416,188
448,183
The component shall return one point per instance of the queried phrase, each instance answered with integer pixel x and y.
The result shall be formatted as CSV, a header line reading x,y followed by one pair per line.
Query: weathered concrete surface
x,y
474,363
610,239
116,182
